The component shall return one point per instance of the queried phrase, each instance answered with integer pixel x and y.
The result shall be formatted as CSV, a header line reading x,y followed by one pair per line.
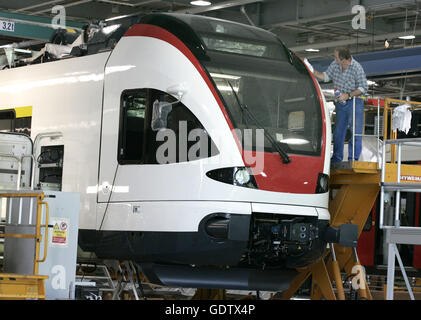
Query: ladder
x,y
397,234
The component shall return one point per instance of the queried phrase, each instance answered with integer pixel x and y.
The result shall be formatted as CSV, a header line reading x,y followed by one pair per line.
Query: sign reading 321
x,y
7,26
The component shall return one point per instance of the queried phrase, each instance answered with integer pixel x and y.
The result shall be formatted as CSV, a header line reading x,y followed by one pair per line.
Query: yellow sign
x,y
60,232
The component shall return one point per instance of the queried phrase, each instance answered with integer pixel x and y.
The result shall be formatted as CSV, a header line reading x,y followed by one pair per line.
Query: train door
x,y
133,144
16,165
28,165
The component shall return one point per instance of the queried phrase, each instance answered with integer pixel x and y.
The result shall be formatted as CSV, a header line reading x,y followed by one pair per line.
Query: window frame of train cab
x,y
146,157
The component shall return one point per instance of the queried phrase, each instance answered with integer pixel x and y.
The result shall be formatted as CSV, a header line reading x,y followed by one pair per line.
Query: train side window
x,y
132,120
7,120
175,134
146,115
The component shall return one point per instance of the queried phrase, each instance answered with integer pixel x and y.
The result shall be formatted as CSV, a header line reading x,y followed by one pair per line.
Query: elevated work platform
x,y
355,187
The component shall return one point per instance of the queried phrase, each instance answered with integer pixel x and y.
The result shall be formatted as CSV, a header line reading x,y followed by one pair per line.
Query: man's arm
x,y
319,75
361,81
324,76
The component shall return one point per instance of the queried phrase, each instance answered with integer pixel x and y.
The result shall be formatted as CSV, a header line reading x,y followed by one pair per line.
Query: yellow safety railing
x,y
37,236
393,134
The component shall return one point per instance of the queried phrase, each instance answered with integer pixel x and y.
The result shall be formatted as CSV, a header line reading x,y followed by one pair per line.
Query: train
x,y
200,149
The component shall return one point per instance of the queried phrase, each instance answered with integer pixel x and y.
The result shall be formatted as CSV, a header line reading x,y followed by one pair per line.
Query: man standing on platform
x,y
349,79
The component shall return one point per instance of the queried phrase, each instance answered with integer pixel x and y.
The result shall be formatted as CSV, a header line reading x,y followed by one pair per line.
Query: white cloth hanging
x,y
401,118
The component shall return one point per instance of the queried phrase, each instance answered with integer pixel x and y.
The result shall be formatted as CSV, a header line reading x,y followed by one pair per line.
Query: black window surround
x,y
138,142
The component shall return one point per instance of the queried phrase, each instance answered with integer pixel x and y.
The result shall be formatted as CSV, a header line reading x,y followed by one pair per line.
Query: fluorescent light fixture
x,y
110,29
200,3
116,18
23,50
408,37
312,50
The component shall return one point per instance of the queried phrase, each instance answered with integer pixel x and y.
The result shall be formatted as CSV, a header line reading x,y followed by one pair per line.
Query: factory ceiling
x,y
311,28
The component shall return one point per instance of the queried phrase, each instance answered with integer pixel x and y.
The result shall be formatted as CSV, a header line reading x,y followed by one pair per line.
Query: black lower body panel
x,y
262,251
174,247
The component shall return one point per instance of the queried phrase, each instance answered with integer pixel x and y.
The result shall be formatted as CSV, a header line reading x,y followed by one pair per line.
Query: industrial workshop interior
x,y
228,151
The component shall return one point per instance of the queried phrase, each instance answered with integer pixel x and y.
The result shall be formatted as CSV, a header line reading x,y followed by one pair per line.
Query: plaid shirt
x,y
351,79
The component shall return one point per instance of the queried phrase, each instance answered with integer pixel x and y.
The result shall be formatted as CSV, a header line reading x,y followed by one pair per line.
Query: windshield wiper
x,y
275,144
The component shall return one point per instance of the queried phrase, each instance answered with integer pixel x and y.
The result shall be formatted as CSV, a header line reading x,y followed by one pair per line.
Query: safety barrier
x,y
24,220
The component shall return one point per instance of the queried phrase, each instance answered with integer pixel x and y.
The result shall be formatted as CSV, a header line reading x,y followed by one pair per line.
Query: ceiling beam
x,y
67,5
32,27
128,4
339,43
328,32
218,6
369,6
43,4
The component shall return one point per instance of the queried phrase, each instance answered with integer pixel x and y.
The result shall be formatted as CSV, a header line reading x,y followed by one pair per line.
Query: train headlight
x,y
322,183
242,176
238,176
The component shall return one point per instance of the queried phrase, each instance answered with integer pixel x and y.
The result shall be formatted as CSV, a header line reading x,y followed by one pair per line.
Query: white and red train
x,y
110,115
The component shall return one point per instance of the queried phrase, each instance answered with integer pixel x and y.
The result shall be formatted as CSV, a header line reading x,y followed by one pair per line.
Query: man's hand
x,y
343,97
319,75
308,64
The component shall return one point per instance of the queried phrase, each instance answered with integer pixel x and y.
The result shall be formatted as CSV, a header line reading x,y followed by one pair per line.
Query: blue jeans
x,y
342,122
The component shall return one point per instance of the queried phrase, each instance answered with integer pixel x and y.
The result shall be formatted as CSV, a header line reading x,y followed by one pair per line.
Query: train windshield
x,y
262,86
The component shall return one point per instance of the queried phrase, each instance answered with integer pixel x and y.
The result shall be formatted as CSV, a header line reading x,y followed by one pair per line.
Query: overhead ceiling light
x,y
200,3
23,50
312,50
116,18
408,37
